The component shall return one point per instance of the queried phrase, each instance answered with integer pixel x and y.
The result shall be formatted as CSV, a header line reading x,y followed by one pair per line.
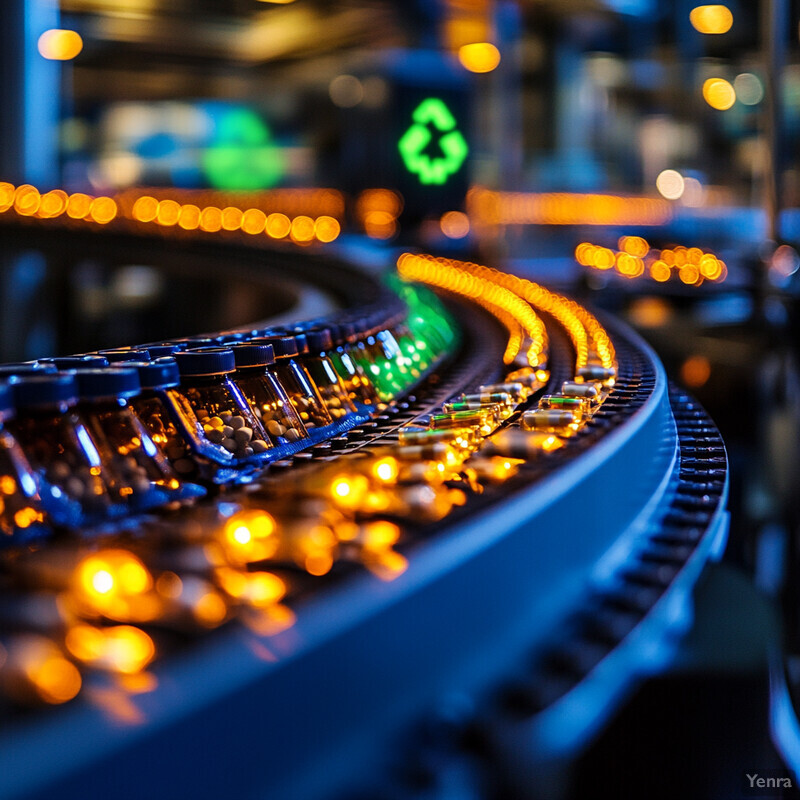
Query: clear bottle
x,y
382,359
358,384
320,367
301,389
139,473
22,515
162,408
72,477
265,394
222,411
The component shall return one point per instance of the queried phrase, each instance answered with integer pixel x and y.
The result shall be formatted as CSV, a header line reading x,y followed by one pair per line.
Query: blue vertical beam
x,y
29,94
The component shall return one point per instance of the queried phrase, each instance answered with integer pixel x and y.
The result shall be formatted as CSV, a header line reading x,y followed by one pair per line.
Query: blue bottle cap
x,y
163,349
253,355
31,391
206,361
120,354
160,373
284,346
77,362
319,340
26,368
232,337
101,384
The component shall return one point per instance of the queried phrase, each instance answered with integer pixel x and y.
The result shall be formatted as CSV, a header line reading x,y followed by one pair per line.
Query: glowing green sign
x,y
242,155
433,113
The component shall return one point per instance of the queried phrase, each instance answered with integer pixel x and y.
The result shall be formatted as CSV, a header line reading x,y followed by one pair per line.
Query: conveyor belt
x,y
570,565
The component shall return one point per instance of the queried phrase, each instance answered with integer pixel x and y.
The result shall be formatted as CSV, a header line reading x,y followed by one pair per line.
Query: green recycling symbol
x,y
242,156
433,112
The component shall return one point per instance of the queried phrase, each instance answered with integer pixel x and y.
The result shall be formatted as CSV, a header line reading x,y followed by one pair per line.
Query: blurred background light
x,y
346,91
749,89
479,56
670,184
711,19
719,93
58,44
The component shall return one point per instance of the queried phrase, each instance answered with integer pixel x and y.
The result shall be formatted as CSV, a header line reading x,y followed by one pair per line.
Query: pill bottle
x,y
358,384
382,359
73,481
139,473
22,515
266,396
296,381
169,419
320,367
226,419
152,407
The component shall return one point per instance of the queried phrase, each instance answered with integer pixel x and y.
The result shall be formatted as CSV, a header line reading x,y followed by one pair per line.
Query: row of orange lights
x,y
589,339
634,258
211,219
28,201
561,208
588,336
292,202
452,276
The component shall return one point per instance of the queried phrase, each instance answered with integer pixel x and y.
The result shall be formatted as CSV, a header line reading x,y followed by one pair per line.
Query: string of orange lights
x,y
589,339
146,209
635,258
453,276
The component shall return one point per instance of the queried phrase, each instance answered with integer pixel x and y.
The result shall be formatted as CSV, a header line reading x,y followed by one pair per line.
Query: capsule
x,y
487,398
459,437
516,389
499,411
516,443
594,372
481,420
575,404
547,419
585,390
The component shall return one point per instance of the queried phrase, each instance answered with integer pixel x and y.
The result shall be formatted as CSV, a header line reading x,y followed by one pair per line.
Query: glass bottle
x,y
222,411
265,394
73,480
